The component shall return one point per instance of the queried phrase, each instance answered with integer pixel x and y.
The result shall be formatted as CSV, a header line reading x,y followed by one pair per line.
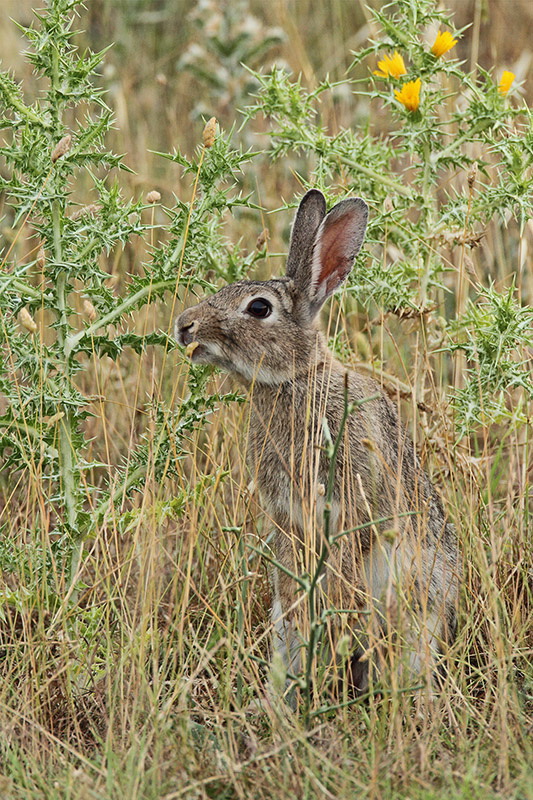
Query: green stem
x,y
117,312
23,109
22,288
66,425
466,137
377,176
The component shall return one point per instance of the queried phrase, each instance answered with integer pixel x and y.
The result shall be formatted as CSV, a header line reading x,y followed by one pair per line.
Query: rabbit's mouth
x,y
197,352
206,353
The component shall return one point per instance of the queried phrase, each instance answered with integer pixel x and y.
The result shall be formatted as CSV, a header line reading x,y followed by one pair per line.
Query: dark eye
x,y
260,308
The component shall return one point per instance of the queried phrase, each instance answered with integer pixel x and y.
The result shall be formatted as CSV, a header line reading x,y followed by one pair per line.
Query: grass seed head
x,y
261,239
61,148
89,310
27,321
41,257
209,132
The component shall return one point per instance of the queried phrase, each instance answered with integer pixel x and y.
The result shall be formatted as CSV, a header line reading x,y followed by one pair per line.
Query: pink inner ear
x,y
336,252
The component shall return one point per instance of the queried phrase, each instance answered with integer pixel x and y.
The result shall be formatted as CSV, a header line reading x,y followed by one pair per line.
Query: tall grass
x,y
133,680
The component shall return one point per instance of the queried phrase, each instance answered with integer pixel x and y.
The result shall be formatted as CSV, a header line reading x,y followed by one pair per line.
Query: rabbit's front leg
x,y
285,640
286,637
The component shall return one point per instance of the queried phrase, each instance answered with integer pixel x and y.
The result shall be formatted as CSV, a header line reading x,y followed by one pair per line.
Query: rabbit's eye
x,y
260,308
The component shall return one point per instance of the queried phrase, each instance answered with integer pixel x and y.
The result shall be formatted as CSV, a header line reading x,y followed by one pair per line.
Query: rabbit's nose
x,y
186,331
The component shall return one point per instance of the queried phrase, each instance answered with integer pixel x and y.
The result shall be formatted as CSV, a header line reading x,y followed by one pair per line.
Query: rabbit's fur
x,y
400,574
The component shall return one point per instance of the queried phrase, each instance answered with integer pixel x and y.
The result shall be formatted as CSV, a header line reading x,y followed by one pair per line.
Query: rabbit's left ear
x,y
337,242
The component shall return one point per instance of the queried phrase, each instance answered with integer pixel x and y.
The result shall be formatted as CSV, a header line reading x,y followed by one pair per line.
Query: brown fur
x,y
401,573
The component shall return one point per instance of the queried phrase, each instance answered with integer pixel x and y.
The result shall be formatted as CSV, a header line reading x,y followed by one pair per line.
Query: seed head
x,y
61,148
89,310
261,239
153,196
472,175
41,257
27,321
209,133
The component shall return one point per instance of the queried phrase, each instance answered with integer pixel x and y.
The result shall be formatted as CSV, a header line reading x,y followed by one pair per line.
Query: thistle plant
x,y
57,306
459,153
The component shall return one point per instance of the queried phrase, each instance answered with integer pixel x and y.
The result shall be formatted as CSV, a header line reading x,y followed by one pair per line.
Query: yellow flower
x,y
391,66
506,82
409,94
443,43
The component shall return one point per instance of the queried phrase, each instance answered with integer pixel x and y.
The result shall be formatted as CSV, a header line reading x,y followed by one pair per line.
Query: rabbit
x,y
394,579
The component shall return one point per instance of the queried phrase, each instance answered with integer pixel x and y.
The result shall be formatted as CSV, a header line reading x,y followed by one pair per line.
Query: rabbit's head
x,y
267,330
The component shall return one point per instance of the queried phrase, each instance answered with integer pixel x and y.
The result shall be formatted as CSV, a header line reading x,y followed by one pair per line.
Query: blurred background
x,y
176,61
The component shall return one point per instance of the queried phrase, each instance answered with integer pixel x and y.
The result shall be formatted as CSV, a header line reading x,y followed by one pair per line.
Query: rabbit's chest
x,y
284,459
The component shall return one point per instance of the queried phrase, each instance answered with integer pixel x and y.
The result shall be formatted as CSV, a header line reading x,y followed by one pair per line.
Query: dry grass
x,y
146,700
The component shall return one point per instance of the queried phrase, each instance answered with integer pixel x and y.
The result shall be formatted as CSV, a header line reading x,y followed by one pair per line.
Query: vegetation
x,y
134,595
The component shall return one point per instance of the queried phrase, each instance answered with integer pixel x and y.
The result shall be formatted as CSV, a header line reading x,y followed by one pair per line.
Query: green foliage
x,y
51,146
423,225
492,333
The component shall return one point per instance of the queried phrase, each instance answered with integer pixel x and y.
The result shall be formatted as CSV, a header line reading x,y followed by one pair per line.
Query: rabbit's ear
x,y
311,212
337,242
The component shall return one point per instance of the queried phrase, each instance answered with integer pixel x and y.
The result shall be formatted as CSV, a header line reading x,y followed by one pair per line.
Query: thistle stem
x,y
66,426
118,311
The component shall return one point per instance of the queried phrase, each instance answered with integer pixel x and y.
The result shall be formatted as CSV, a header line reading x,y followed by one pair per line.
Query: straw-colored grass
x,y
148,699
